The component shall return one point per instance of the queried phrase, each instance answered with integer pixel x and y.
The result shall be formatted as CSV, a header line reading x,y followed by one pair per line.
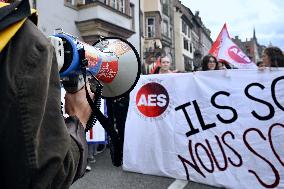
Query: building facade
x,y
205,41
154,27
192,38
90,19
151,27
157,32
251,47
183,29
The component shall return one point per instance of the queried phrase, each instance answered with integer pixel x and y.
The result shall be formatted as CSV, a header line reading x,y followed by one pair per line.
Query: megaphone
x,y
111,60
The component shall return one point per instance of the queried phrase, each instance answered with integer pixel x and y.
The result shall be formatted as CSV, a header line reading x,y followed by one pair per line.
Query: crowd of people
x,y
272,57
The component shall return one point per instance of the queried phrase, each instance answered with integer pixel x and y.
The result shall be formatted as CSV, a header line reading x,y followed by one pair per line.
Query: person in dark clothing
x,y
209,62
38,149
260,64
117,112
273,57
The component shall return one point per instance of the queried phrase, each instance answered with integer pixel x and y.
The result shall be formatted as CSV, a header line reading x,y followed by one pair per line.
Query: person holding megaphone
x,y
112,68
38,150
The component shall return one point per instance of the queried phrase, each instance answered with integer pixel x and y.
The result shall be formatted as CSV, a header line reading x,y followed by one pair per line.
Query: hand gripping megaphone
x,y
113,61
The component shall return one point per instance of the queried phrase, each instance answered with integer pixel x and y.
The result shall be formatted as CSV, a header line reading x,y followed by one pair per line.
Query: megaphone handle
x,y
115,141
105,122
93,119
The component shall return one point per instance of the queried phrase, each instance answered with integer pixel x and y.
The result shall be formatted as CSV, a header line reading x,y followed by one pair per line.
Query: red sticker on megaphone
x,y
108,71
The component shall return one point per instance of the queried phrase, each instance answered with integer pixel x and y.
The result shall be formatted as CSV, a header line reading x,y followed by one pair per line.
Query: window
x,y
103,1
166,9
80,2
183,27
89,1
113,4
122,6
141,21
150,24
132,14
33,4
185,44
166,28
189,33
70,2
187,63
248,51
190,48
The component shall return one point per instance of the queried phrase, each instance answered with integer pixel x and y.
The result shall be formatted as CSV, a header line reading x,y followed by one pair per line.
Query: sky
x,y
241,16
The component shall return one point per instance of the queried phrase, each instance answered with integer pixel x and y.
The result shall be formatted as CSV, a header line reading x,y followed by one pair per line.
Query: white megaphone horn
x,y
112,60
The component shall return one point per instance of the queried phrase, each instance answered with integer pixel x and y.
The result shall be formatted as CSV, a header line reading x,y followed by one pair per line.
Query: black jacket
x,y
38,150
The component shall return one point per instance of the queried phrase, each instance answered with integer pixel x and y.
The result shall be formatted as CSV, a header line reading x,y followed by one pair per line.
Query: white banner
x,y
222,128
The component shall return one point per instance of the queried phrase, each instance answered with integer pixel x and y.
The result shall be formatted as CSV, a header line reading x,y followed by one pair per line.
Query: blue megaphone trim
x,y
75,64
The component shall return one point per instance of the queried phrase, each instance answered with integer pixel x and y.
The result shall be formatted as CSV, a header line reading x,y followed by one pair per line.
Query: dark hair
x,y
226,64
205,62
276,56
259,63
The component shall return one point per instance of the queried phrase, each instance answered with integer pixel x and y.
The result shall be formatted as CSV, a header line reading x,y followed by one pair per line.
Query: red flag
x,y
231,53
156,65
216,45
225,49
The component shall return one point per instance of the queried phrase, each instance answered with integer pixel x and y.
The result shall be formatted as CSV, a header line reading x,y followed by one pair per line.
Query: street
x,y
105,176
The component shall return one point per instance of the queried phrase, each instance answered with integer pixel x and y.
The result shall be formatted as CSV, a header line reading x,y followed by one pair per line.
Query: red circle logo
x,y
152,99
237,54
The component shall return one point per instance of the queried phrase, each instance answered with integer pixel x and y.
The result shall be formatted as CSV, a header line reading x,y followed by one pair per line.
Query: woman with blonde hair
x,y
165,64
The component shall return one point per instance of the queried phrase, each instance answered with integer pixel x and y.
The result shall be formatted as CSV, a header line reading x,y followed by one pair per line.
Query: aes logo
x,y
236,54
152,100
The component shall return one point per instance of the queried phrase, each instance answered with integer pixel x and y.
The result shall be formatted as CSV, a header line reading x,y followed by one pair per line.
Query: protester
x,y
221,66
38,150
164,65
209,62
117,112
260,64
92,151
273,57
